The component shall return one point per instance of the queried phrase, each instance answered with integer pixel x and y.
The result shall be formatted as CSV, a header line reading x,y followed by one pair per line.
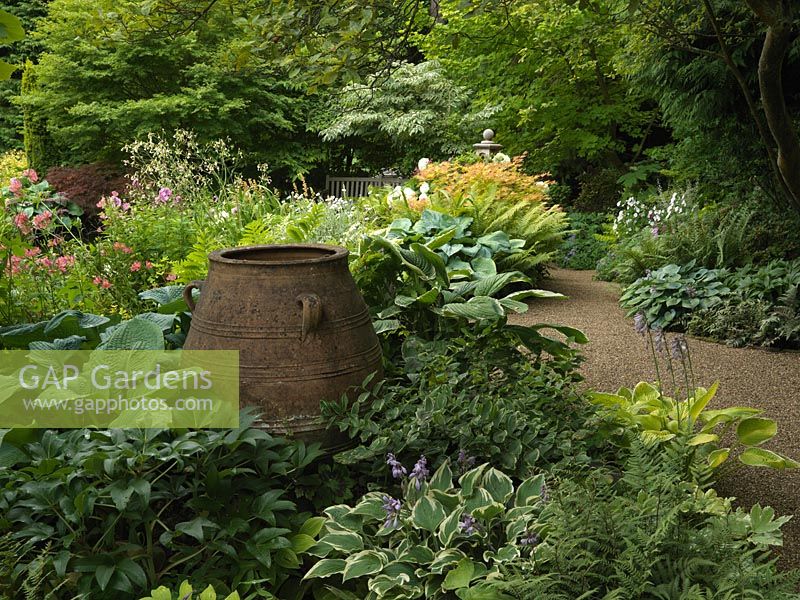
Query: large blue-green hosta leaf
x,y
478,308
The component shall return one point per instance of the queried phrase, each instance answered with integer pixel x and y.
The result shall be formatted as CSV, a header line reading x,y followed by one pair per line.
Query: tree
x,y
393,121
113,71
551,64
18,48
752,48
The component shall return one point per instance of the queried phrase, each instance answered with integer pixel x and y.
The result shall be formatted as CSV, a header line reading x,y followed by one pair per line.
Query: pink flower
x,y
64,262
55,242
44,262
13,266
31,174
126,206
164,194
15,186
122,248
42,221
101,282
148,265
21,222
31,252
101,203
135,266
171,277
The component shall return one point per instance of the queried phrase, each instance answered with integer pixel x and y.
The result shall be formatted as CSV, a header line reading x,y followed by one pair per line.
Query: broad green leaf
x,y
717,457
442,479
703,438
301,542
498,484
759,457
755,431
489,286
366,562
478,308
645,393
312,526
10,28
460,576
427,514
103,574
344,541
326,567
529,489
435,260
449,528
702,400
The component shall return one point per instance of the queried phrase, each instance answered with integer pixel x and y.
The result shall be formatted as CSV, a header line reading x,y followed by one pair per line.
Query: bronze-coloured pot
x,y
300,324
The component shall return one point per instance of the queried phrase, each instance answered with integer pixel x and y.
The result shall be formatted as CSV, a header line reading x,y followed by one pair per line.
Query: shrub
x,y
128,510
761,310
12,163
599,190
585,245
645,532
437,540
87,184
500,196
475,396
669,295
735,321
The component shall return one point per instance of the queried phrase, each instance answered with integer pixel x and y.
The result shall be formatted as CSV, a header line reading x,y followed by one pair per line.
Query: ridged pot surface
x,y
300,324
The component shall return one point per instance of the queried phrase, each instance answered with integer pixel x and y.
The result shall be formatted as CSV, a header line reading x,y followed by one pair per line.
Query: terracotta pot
x,y
300,324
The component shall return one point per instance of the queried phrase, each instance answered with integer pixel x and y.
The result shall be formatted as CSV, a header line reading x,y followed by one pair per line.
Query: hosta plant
x,y
670,294
658,419
439,541
185,592
432,281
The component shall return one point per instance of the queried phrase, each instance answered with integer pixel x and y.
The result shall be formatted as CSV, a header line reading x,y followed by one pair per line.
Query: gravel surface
x,y
617,356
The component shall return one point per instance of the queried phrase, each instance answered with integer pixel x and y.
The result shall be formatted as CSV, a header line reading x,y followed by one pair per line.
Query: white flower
x,y
409,193
500,157
424,188
423,163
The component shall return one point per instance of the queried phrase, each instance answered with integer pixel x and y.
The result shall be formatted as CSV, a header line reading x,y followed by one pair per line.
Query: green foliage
x,y
585,245
393,121
73,330
439,539
499,196
599,190
435,290
185,592
10,31
659,419
127,509
18,53
762,308
645,532
477,395
113,72
552,66
38,144
668,296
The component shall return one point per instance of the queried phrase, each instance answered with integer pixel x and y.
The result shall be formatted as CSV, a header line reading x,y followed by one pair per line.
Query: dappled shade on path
x,y
616,356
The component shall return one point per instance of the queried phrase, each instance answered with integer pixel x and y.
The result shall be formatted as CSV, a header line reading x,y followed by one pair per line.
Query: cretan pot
x,y
300,324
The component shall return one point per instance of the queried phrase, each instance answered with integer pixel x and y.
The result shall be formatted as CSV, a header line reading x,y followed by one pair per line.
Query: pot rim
x,y
331,253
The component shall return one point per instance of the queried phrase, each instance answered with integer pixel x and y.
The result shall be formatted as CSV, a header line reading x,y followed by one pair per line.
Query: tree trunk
x,y
776,14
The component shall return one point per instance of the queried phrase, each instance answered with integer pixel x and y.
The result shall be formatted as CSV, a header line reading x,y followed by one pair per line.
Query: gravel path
x,y
616,357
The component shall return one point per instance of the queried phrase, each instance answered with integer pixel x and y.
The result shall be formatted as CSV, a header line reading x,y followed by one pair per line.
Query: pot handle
x,y
187,292
312,313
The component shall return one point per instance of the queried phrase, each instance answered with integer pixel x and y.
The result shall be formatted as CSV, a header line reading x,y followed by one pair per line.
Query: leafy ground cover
x,y
469,461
